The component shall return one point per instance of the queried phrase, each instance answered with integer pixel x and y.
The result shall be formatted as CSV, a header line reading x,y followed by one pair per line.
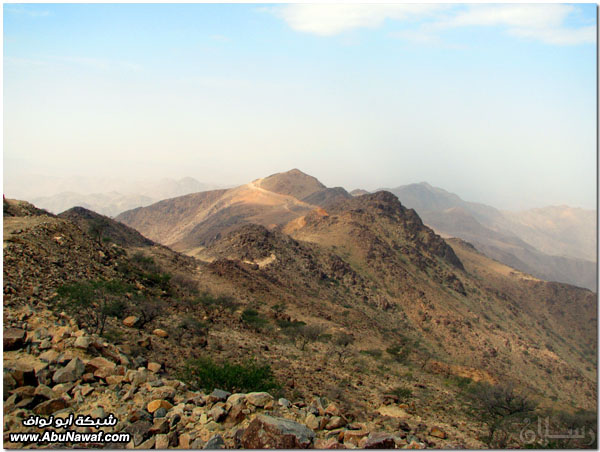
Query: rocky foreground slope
x,y
358,305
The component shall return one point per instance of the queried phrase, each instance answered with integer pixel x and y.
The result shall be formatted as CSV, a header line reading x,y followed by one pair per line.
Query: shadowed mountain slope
x,y
553,243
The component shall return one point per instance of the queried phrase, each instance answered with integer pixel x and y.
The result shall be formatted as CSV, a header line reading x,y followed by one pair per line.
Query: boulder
x,y
258,399
71,372
99,363
51,406
83,342
380,440
156,404
266,432
45,392
14,339
154,367
335,422
215,442
218,395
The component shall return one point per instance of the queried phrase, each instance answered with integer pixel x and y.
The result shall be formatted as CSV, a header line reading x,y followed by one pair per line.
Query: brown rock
x,y
154,367
380,441
156,404
131,321
354,436
51,406
335,422
266,432
114,379
259,399
330,443
184,441
99,363
14,339
160,426
438,433
160,333
332,409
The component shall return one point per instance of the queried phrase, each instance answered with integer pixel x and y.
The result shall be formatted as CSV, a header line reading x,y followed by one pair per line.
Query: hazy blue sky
x,y
496,103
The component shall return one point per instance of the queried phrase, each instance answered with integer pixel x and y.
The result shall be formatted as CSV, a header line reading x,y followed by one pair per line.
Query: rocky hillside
x,y
104,229
372,326
553,243
190,222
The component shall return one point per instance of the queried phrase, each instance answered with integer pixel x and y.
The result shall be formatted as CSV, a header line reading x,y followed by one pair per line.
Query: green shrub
x,y
252,318
193,325
403,394
375,353
211,302
399,353
93,302
204,373
290,324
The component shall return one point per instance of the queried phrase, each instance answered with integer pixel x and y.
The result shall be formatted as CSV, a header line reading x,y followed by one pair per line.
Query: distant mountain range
x,y
129,194
556,243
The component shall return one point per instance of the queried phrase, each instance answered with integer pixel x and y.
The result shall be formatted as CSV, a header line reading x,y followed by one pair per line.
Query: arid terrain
x,y
379,333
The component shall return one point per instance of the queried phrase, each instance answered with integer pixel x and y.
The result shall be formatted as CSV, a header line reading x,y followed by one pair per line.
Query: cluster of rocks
x,y
52,367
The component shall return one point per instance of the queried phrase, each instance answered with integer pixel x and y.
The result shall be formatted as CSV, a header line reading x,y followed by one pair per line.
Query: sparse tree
x,y
93,302
498,407
341,343
303,334
97,228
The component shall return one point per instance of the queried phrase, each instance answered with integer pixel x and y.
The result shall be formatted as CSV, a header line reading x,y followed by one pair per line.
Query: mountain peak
x,y
293,182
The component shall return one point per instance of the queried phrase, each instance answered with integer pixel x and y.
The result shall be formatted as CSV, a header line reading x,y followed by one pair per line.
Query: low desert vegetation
x,y
92,303
207,374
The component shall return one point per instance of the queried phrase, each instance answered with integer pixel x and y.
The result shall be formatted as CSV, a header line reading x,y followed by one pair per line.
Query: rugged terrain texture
x,y
556,243
425,317
190,222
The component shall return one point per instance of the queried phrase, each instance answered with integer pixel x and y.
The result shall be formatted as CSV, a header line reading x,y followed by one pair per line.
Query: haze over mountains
x,y
108,196
556,243
553,243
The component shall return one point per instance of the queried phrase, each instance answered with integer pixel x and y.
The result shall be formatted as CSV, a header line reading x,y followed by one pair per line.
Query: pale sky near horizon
x,y
494,102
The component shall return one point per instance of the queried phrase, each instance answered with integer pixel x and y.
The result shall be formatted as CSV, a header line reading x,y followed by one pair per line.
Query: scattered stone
x,y
218,395
258,399
284,403
159,426
312,421
160,333
154,367
51,406
380,440
218,413
438,433
156,404
277,433
44,392
184,441
335,422
14,339
160,413
83,342
73,371
162,441
131,321
215,442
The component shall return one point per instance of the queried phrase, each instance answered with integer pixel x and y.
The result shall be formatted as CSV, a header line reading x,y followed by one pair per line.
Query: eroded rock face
x,y
266,432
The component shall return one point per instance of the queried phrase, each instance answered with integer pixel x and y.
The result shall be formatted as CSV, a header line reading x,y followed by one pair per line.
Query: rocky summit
x,y
284,314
